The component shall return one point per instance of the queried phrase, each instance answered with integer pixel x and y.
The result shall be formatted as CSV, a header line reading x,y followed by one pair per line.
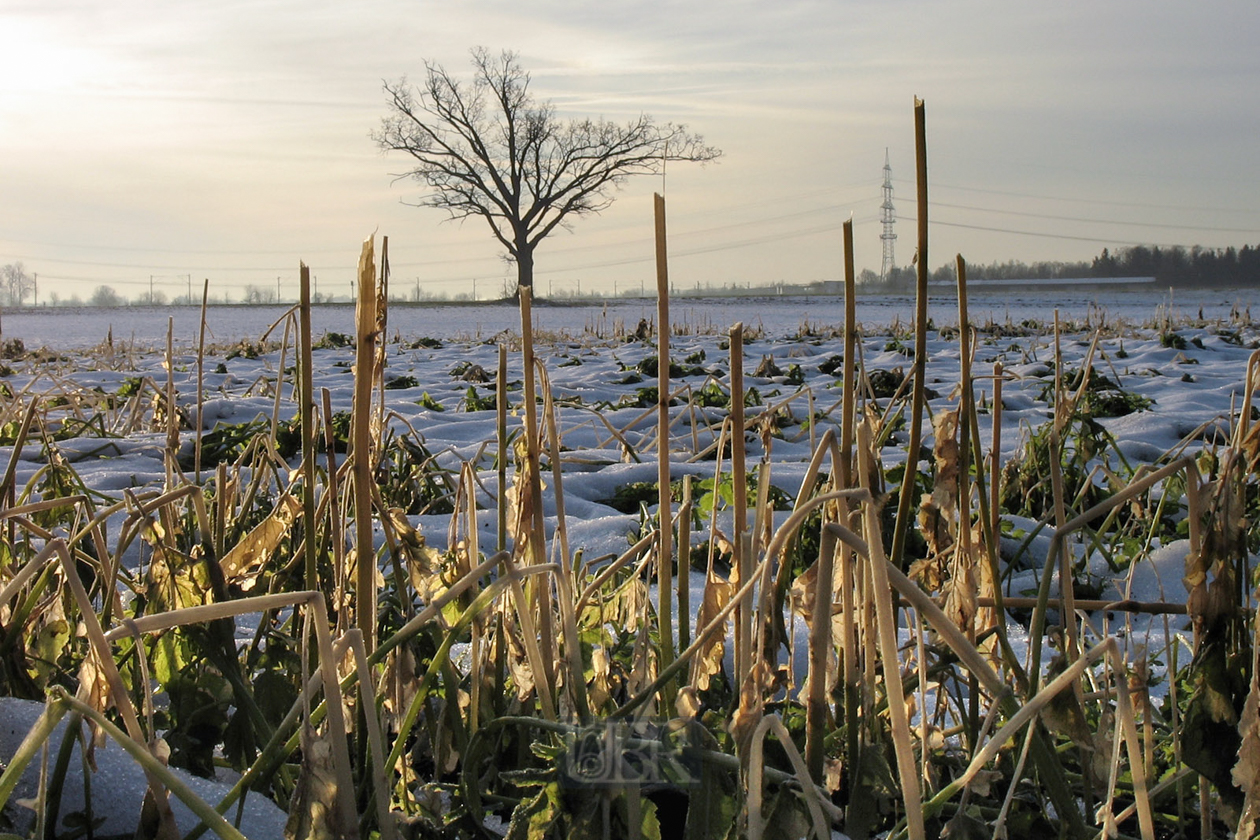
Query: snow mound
x,y
117,786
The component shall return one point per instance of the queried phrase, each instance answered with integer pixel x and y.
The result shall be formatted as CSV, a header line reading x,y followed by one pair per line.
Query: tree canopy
x,y
487,148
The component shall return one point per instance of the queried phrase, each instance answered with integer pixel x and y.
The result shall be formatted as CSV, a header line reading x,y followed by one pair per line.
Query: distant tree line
x,y
1176,266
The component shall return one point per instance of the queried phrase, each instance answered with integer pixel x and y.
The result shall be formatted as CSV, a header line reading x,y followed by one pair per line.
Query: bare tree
x,y
488,149
15,283
105,296
258,294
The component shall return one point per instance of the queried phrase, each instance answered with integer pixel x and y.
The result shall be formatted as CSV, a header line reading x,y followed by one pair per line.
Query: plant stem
x,y
908,479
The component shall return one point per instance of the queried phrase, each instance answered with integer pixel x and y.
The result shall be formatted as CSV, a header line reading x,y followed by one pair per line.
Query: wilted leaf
x,y
643,669
687,703
600,691
45,647
518,664
833,774
981,783
708,659
1063,713
246,560
1246,773
94,691
751,704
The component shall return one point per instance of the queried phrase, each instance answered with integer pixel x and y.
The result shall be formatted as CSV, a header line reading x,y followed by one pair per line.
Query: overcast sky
x,y
229,140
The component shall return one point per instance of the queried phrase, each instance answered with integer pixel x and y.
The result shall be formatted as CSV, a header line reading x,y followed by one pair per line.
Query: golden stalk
x,y
684,565
886,621
567,585
665,533
740,563
367,695
306,413
172,414
361,445
501,431
536,548
201,358
908,480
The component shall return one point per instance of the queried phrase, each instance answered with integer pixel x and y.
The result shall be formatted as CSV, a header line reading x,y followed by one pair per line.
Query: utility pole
x,y
277,290
35,287
150,290
888,217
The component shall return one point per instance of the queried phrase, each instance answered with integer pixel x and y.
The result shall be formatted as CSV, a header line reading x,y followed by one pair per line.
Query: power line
x,y
1044,235
1095,221
1078,200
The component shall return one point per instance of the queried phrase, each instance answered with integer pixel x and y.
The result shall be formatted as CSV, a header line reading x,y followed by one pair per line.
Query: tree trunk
x,y
525,267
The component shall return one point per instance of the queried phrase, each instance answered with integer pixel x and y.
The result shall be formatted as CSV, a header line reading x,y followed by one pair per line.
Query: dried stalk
x,y
306,413
887,628
201,358
501,432
741,564
684,564
1053,555
665,533
814,800
367,696
567,585
361,445
908,480
535,536
773,550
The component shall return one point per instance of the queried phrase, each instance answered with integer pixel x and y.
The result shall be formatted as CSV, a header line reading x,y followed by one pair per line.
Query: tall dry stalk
x,y
742,562
201,360
665,533
964,558
361,444
906,497
684,565
820,640
534,527
382,318
566,584
306,415
172,412
848,411
886,624
501,436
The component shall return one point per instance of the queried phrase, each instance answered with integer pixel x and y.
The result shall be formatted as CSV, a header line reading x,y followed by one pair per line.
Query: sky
x,y
154,145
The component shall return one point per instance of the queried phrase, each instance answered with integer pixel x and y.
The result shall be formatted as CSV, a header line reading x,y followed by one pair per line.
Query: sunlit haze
x,y
152,145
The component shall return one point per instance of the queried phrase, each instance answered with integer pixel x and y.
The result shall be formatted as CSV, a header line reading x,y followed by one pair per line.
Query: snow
x,y
117,787
596,463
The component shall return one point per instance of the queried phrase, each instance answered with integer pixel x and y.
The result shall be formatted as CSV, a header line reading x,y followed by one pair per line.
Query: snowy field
x,y
1182,391
68,328
1187,395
